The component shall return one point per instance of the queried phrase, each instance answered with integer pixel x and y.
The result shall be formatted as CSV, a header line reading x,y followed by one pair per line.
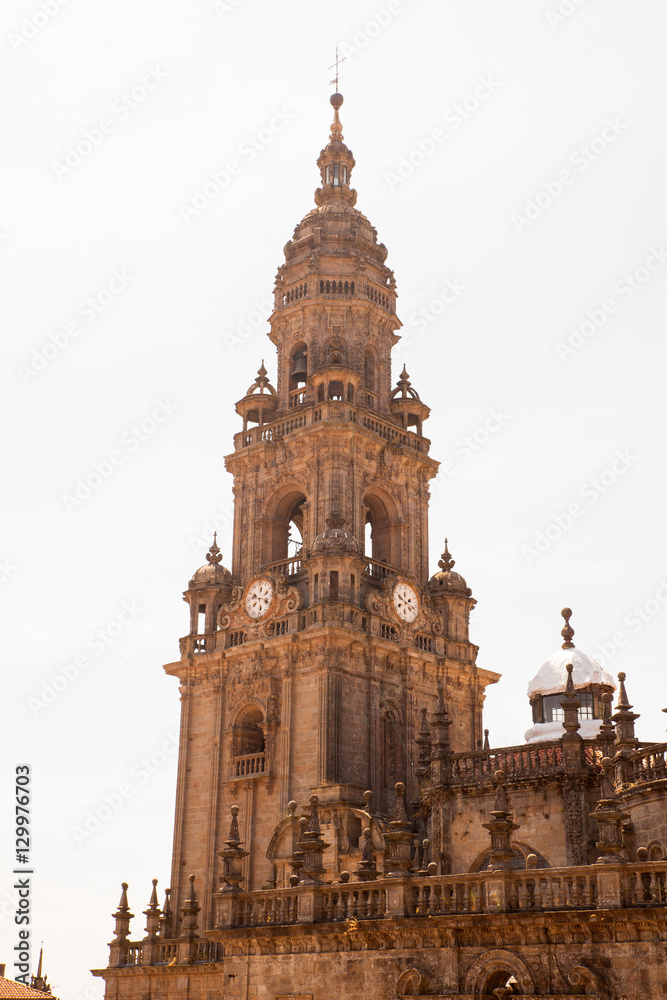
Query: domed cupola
x,y
547,689
452,597
407,407
447,581
335,297
336,163
209,588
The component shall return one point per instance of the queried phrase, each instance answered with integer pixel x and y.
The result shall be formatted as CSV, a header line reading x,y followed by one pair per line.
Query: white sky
x,y
218,78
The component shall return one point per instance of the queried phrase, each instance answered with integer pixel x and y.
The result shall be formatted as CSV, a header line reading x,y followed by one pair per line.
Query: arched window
x,y
283,532
383,517
248,733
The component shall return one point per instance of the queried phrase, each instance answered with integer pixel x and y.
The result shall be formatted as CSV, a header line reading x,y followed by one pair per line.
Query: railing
x,y
168,951
249,763
456,894
267,907
336,411
541,890
287,567
209,951
517,762
638,885
358,902
379,570
646,886
643,767
545,891
297,397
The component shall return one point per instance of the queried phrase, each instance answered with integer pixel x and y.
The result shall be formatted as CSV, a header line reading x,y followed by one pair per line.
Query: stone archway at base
x,y
493,969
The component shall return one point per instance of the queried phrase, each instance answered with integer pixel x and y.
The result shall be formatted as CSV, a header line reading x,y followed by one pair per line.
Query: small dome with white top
x,y
547,689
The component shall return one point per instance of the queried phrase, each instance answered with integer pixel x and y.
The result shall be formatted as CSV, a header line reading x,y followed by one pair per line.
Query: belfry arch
x,y
382,513
284,523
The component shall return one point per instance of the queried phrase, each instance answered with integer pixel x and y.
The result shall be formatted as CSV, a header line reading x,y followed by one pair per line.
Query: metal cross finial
x,y
334,82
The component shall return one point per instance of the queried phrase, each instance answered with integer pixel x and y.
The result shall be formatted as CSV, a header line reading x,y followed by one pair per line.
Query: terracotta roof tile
x,y
10,988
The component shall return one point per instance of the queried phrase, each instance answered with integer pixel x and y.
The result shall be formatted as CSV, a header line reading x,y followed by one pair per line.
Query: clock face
x,y
406,602
259,598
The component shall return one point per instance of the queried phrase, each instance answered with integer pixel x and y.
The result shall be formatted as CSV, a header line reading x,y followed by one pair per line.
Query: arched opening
x,y
284,533
382,516
502,978
298,373
248,732
295,531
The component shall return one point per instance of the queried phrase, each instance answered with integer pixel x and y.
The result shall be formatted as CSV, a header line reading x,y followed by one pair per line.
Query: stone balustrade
x,y
331,411
588,887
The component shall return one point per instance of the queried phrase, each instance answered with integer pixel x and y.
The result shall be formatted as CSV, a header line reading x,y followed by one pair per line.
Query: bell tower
x,y
308,664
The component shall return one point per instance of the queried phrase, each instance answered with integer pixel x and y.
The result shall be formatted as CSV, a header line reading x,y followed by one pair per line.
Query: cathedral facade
x,y
343,828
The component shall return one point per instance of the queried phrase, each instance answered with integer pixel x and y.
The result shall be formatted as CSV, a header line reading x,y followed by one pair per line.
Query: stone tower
x,y
308,664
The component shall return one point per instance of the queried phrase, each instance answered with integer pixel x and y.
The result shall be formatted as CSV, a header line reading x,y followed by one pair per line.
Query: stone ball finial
x,y
567,631
313,800
234,810
531,861
399,788
154,881
191,878
293,880
368,795
303,823
336,101
642,854
499,777
291,807
344,877
124,886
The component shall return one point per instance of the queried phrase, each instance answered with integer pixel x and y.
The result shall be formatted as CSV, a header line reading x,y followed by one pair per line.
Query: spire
x,y
446,562
501,827
624,719
336,163
567,631
214,555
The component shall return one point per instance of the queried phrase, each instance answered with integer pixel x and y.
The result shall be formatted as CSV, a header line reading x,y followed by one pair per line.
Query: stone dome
x,y
446,579
551,678
212,573
335,537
